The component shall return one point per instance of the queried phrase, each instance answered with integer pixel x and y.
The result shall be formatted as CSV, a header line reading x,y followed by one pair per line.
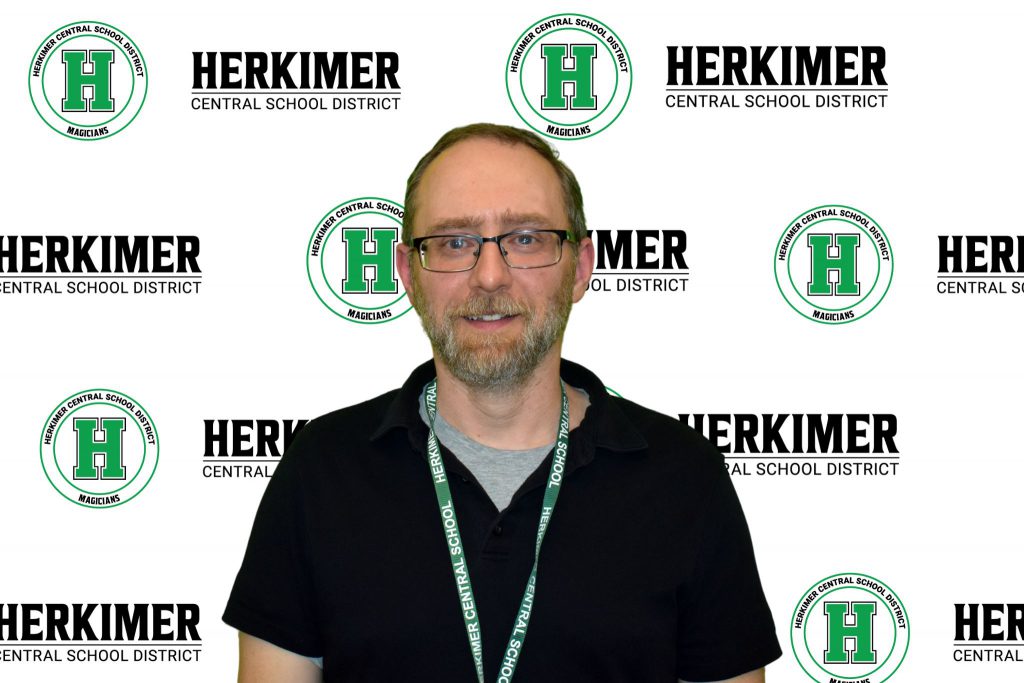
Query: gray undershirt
x,y
501,472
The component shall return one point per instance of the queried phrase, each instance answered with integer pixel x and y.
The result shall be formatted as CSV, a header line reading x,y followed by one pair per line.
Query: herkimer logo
x,y
833,264
99,264
639,261
103,632
88,80
246,449
350,261
988,632
851,628
568,76
792,445
99,448
981,264
776,77
295,81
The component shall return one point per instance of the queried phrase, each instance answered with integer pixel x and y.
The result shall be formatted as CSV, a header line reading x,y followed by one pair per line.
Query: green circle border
x,y
156,434
789,270
892,254
42,75
310,276
127,483
906,614
522,88
509,92
144,92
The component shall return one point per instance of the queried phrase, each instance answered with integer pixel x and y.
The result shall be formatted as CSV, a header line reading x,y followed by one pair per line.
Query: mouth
x,y
489,317
489,314
489,322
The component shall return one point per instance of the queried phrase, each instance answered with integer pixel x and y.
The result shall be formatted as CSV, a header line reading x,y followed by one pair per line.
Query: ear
x,y
404,256
584,268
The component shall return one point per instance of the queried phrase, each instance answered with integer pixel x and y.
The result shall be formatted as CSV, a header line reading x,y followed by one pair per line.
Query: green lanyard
x,y
458,555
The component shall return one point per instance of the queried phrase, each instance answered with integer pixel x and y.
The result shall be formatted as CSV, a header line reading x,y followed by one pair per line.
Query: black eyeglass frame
x,y
563,235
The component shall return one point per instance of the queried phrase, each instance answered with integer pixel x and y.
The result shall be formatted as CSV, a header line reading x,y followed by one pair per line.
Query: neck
x,y
511,418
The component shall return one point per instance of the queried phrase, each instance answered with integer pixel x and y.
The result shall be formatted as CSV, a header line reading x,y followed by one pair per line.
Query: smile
x,y
488,318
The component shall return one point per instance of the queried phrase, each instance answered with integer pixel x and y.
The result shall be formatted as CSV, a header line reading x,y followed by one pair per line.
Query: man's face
x,y
492,325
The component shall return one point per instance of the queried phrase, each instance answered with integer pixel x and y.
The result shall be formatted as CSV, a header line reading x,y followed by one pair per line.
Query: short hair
x,y
571,195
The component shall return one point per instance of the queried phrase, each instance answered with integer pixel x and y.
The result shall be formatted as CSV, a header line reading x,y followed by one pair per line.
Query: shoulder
x,y
670,442
347,429
361,418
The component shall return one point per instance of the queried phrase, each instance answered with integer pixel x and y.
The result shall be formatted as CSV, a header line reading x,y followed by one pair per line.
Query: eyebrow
x,y
508,220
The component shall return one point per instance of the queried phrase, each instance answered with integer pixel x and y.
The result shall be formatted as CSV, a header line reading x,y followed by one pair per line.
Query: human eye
x,y
527,240
455,243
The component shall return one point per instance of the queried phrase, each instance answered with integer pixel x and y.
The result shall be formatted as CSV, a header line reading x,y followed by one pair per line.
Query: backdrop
x,y
808,245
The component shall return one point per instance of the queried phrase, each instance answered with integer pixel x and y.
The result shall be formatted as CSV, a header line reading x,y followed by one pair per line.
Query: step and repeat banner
x,y
807,249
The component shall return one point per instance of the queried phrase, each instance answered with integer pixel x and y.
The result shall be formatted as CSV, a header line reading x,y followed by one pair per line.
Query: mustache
x,y
490,305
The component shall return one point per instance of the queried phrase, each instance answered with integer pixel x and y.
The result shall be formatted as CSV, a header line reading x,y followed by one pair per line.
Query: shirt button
x,y
497,530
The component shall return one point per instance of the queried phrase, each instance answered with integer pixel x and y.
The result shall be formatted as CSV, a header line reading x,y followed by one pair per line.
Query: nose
x,y
491,272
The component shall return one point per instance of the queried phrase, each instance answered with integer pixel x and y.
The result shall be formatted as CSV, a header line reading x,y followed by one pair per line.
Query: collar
x,y
604,424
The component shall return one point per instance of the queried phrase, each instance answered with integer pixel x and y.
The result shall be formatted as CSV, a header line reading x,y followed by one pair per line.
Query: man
x,y
416,537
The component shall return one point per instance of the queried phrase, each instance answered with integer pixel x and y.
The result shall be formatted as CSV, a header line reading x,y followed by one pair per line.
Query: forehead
x,y
485,179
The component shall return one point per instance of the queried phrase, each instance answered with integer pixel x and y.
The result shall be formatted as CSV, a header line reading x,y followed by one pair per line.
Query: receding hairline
x,y
505,212
572,197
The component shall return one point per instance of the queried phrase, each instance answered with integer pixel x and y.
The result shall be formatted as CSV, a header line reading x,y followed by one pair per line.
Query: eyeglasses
x,y
520,249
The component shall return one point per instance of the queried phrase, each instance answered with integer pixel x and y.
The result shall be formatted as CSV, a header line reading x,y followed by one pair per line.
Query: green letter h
x,y
822,263
89,448
76,79
861,631
357,259
581,76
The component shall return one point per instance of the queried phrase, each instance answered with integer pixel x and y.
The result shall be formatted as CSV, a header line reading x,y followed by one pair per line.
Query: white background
x,y
943,157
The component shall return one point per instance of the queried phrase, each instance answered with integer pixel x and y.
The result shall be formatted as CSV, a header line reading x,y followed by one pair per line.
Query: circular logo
x,y
568,76
850,627
350,260
88,80
99,448
833,264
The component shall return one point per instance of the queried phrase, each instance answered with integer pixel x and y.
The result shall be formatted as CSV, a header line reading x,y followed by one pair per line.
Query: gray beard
x,y
492,365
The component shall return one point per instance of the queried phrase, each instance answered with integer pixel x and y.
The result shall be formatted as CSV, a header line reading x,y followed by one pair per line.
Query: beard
x,y
492,361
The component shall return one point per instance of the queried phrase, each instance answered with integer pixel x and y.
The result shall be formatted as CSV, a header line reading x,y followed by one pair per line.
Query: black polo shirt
x,y
646,573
